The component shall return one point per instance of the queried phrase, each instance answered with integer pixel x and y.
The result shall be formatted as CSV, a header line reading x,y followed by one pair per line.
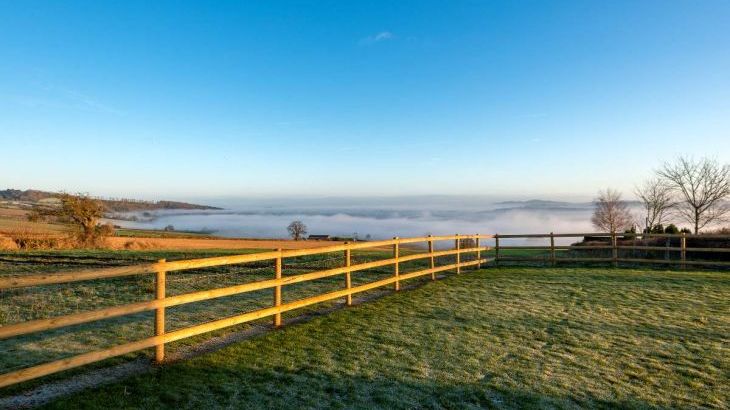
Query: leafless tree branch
x,y
297,230
702,186
611,214
657,200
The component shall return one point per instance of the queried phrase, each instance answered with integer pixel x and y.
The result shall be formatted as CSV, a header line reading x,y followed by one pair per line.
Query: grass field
x,y
24,304
506,337
155,233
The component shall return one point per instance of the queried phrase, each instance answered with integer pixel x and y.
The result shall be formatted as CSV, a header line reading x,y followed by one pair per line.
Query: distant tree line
x,y
686,190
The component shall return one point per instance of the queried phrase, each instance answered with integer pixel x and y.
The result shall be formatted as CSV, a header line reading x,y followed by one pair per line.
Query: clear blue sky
x,y
182,99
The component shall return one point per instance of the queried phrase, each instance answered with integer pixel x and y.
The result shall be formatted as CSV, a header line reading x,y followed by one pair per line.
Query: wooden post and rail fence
x,y
611,243
161,301
162,268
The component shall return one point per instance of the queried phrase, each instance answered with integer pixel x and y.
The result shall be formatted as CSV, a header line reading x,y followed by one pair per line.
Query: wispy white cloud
x,y
90,103
44,95
82,101
376,38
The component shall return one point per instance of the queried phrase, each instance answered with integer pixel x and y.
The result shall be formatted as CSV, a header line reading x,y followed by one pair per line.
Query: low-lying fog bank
x,y
368,219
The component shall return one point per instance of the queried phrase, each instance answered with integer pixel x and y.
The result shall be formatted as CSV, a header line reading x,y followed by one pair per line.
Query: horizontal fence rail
x,y
160,302
616,246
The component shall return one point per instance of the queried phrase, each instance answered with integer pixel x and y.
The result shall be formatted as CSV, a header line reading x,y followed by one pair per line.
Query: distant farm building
x,y
318,237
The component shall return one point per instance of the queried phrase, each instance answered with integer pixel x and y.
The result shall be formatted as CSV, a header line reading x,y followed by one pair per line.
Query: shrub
x,y
671,229
26,239
83,213
7,244
658,228
106,229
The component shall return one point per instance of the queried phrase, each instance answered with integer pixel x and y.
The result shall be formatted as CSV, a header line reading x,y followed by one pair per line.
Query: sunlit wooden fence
x,y
163,268
607,248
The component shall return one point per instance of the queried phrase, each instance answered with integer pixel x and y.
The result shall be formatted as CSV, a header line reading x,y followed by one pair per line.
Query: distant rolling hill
x,y
551,205
112,205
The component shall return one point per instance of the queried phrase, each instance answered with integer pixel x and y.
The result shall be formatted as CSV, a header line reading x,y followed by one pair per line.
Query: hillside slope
x,y
112,205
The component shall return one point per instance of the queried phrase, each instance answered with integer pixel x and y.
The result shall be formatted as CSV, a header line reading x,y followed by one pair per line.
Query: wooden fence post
x,y
457,246
160,312
159,269
433,262
496,249
614,249
348,276
633,246
479,254
683,244
396,271
552,249
277,289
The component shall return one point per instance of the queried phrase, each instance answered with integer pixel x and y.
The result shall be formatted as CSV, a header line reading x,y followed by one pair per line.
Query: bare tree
x,y
702,186
657,199
297,229
611,213
81,211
